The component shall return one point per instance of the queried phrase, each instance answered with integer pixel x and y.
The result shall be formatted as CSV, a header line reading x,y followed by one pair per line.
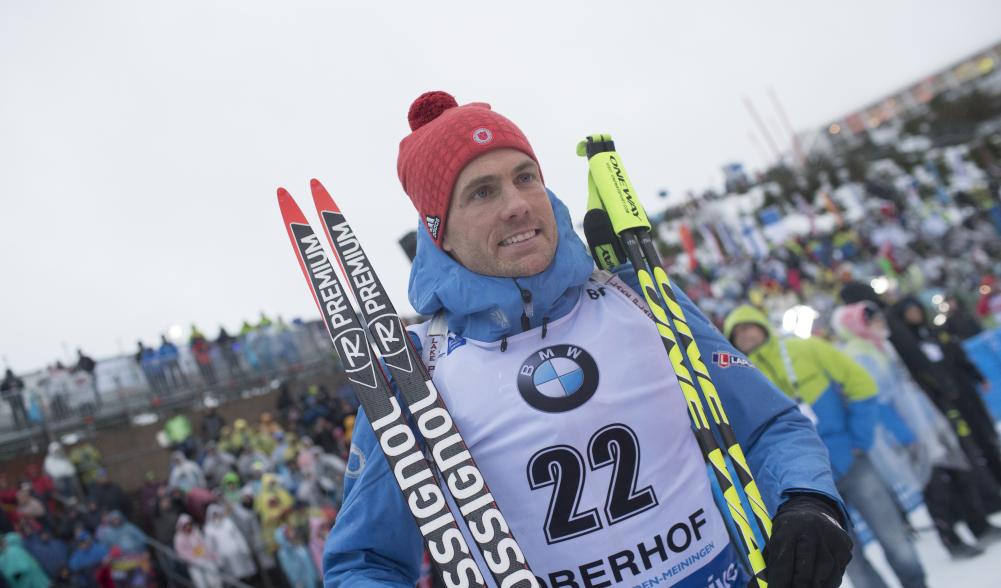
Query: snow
x,y
940,568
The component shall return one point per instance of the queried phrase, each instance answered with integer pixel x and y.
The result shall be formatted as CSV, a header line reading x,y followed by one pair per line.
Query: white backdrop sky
x,y
141,143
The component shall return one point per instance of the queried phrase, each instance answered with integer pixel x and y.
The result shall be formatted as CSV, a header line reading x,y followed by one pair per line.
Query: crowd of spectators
x,y
247,500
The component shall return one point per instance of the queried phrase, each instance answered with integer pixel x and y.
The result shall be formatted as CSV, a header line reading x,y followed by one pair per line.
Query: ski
x,y
460,474
412,471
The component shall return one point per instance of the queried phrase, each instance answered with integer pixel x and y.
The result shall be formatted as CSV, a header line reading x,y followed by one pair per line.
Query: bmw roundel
x,y
558,378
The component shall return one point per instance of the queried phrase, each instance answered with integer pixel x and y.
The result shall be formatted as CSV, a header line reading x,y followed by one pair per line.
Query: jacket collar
x,y
488,308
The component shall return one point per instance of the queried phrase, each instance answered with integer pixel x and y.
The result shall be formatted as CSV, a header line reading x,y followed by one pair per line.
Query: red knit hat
x,y
445,138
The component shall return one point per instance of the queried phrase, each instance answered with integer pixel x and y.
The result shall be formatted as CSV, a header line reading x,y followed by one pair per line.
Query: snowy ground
x,y
942,570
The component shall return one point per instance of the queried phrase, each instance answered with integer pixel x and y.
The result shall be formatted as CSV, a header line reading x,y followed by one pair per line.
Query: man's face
x,y
500,221
747,337
913,315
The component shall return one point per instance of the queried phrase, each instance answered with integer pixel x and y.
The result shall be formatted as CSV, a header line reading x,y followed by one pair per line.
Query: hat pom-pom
x,y
428,107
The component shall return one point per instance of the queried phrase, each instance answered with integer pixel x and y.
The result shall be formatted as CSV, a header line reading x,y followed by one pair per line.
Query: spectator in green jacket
x,y
87,460
839,396
178,431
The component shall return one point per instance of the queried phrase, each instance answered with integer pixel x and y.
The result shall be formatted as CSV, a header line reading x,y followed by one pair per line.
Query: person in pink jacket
x,y
191,546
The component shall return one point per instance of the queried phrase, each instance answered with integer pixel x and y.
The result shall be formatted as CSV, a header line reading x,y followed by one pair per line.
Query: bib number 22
x,y
563,468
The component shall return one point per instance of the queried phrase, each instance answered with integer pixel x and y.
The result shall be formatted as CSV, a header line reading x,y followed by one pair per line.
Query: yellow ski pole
x,y
611,192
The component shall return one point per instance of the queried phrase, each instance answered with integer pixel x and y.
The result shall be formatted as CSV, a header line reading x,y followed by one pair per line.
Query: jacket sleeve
x,y
375,539
782,447
857,388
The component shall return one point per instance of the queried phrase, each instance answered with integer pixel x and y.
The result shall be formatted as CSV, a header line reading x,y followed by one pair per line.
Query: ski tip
x,y
321,197
290,210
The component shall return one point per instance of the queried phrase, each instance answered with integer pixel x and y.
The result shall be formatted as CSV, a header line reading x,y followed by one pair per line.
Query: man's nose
x,y
515,204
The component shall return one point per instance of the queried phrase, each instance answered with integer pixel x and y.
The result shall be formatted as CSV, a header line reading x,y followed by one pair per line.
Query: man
x,y
12,390
149,360
202,350
949,362
18,568
179,432
87,365
51,553
212,425
185,474
226,342
109,496
840,397
499,263
87,460
170,359
922,350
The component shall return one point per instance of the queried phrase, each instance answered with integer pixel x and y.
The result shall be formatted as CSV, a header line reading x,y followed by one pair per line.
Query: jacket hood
x,y
768,351
211,511
488,308
746,313
850,325
901,306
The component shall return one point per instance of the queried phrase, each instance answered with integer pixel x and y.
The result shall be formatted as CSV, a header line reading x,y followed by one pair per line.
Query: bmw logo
x,y
558,378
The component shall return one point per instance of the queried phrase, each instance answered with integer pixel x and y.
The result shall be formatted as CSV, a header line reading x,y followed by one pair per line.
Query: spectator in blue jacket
x,y
50,552
294,558
87,557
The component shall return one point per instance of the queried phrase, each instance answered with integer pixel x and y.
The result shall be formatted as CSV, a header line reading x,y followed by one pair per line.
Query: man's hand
x,y
808,546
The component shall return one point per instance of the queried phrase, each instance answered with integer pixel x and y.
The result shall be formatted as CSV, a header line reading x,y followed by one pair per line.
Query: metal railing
x,y
124,390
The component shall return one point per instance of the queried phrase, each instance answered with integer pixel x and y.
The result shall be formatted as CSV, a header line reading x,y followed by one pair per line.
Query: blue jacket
x,y
52,554
376,540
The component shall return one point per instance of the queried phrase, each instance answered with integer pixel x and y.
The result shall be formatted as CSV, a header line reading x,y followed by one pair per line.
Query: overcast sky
x,y
141,143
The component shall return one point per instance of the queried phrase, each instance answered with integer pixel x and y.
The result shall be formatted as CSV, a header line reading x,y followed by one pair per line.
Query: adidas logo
x,y
433,223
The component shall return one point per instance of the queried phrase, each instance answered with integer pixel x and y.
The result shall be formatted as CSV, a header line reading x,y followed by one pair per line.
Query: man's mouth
x,y
519,238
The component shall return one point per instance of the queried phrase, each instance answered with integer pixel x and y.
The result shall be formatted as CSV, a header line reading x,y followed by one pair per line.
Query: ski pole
x,y
611,192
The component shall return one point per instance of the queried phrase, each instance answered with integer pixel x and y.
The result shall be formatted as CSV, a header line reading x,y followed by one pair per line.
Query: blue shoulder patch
x,y
454,342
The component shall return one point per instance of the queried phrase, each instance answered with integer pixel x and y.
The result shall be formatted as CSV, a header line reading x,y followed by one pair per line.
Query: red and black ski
x,y
490,530
412,471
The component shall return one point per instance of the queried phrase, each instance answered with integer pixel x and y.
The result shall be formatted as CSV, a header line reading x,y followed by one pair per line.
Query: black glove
x,y
809,545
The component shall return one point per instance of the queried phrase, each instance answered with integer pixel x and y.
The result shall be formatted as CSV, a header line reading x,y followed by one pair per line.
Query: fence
x,y
125,389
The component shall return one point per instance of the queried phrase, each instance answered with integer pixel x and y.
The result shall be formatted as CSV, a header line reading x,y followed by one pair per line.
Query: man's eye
x,y
480,193
526,177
